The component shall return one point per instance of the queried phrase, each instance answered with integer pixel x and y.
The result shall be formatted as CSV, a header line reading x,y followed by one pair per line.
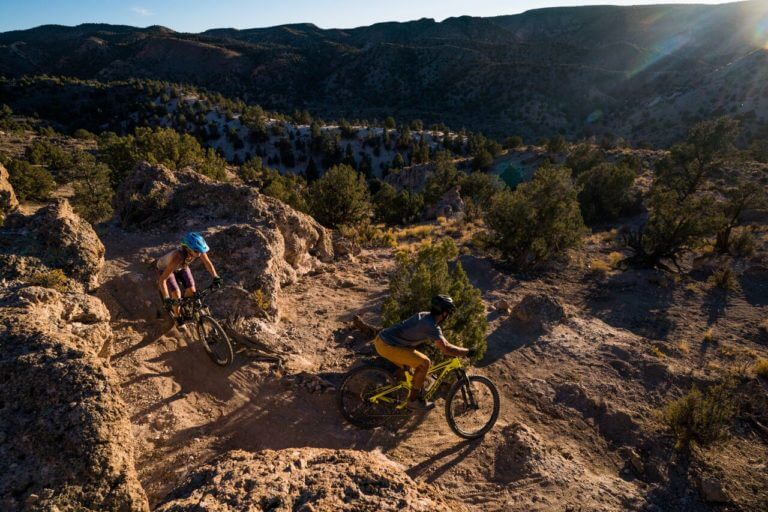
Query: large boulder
x,y
8,201
302,479
538,311
54,238
65,438
258,243
449,206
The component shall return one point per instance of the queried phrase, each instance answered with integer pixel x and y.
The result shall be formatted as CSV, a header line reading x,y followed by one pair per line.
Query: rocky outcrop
x,y
303,479
449,206
8,201
65,439
258,243
53,238
538,311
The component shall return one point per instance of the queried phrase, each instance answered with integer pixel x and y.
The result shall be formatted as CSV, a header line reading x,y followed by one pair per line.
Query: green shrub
x,y
557,144
289,188
480,187
55,279
393,207
57,160
83,134
538,220
30,182
162,146
340,196
427,272
745,196
701,417
444,177
583,158
483,160
605,192
513,142
92,185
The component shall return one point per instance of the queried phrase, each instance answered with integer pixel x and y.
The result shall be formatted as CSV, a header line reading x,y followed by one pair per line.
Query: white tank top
x,y
164,261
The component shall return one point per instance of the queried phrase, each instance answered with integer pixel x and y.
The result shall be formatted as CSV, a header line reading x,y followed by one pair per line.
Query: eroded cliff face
x,y
65,437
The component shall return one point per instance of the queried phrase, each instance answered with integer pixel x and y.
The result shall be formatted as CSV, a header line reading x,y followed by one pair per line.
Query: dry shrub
x,y
723,278
761,368
701,417
55,279
369,235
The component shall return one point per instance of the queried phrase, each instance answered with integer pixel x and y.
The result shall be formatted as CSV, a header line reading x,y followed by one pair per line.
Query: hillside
x,y
633,72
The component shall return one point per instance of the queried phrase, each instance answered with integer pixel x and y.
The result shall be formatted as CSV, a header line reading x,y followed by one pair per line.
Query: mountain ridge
x,y
578,71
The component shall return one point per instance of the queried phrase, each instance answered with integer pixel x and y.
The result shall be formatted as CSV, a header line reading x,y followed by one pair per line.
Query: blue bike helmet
x,y
195,241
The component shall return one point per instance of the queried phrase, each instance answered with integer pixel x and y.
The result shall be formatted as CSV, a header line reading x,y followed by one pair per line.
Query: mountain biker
x,y
398,344
173,270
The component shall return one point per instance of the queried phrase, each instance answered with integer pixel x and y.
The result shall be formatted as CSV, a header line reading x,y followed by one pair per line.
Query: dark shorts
x,y
182,276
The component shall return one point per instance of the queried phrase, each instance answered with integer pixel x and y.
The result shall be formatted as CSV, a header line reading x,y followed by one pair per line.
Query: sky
x,y
199,15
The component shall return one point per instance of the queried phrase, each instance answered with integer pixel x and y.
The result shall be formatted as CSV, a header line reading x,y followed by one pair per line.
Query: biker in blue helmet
x,y
174,272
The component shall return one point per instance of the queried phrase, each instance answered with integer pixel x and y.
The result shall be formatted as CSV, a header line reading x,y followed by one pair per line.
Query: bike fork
x,y
466,392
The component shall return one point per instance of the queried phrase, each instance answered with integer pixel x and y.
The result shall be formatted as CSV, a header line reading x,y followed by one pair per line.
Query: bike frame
x,y
195,304
441,370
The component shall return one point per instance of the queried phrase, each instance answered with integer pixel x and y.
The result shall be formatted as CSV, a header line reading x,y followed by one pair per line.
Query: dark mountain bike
x,y
213,336
370,396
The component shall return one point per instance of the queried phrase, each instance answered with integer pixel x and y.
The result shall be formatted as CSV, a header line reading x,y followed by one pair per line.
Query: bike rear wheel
x,y
215,341
358,386
472,406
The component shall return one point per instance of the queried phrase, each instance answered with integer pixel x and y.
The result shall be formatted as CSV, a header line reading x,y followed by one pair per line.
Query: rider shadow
x,y
457,453
277,418
509,336
191,369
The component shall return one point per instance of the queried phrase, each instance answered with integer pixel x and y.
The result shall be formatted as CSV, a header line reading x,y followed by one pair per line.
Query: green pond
x,y
510,172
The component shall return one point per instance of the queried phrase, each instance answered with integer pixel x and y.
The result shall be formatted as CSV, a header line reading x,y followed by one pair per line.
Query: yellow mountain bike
x,y
370,395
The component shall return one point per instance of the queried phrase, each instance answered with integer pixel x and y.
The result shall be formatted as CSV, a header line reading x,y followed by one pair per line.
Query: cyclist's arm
x,y
448,349
166,274
208,264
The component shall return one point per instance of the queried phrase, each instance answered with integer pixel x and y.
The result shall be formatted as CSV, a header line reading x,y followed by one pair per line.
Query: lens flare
x,y
660,51
761,33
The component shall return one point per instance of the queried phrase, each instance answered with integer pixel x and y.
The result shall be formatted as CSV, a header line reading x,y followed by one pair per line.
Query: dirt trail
x,y
185,410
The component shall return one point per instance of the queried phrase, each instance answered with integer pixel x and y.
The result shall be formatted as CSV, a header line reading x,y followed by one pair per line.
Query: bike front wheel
x,y
472,406
215,341
356,390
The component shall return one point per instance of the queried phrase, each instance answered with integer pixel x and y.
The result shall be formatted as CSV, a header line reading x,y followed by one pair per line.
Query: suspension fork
x,y
466,390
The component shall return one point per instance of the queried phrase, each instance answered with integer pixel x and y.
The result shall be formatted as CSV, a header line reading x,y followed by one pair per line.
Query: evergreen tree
x,y
312,172
339,197
92,199
539,219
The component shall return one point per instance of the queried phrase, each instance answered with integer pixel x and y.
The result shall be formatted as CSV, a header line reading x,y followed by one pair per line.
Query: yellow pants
x,y
401,356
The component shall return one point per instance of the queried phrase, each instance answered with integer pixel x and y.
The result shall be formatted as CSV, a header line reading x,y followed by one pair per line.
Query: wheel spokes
x,y
472,407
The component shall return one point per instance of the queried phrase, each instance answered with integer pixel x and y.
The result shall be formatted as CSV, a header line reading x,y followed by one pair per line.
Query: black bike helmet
x,y
442,304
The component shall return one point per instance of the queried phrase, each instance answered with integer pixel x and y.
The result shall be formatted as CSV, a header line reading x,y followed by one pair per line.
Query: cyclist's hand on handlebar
x,y
218,282
169,302
471,353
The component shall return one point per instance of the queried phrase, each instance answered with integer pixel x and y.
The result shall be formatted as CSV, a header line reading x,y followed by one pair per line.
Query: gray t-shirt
x,y
412,332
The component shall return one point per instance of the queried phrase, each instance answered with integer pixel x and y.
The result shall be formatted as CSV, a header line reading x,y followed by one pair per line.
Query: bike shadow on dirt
x,y
190,368
279,417
443,461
